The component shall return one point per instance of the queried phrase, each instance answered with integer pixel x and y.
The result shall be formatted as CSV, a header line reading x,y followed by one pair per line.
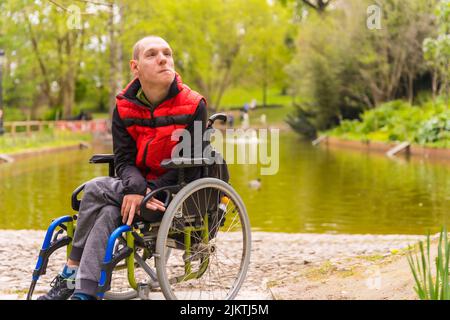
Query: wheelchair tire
x,y
128,295
145,277
124,295
223,246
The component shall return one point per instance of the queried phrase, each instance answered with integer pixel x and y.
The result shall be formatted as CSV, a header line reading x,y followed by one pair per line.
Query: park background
x,y
357,77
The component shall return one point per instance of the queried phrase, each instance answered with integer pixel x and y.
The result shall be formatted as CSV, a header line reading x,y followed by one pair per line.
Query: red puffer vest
x,y
152,129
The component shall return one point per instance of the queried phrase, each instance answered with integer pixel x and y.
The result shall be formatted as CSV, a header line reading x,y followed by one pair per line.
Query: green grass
x,y
273,115
431,286
38,140
99,115
235,97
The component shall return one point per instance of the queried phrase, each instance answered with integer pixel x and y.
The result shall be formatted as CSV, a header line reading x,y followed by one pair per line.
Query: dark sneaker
x,y
82,296
62,289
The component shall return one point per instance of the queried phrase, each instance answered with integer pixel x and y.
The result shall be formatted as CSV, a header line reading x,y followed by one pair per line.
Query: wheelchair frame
x,y
134,240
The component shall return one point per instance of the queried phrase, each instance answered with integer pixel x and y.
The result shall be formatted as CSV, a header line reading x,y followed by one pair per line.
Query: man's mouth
x,y
165,70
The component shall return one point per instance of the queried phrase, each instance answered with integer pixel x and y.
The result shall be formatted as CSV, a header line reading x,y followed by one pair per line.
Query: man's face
x,y
154,65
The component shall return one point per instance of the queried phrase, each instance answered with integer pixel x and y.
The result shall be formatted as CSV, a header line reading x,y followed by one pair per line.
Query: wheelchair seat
x,y
179,163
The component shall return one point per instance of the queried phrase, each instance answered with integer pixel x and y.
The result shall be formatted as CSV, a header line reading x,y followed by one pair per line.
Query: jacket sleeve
x,y
124,158
171,176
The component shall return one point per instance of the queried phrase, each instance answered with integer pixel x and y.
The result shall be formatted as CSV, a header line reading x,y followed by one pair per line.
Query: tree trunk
x,y
70,70
42,65
114,60
434,84
264,81
120,73
410,87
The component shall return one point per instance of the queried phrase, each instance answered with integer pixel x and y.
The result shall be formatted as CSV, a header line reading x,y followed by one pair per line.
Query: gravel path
x,y
277,260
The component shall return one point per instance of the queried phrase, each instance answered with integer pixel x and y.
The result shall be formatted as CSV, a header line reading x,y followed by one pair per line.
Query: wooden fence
x,y
14,128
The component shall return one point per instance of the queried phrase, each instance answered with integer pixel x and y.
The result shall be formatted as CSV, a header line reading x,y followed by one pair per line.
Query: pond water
x,y
316,190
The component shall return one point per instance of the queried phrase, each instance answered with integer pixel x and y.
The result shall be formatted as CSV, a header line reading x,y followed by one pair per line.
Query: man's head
x,y
152,61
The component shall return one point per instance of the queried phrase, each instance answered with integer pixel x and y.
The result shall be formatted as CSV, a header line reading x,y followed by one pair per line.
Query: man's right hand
x,y
130,206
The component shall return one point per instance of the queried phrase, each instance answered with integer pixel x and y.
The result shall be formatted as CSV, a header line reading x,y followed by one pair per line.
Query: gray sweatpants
x,y
98,217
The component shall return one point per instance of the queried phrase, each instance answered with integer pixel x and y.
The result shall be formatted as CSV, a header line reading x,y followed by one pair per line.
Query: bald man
x,y
148,110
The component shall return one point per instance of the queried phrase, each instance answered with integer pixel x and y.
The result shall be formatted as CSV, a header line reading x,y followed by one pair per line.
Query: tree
x,y
216,43
269,50
47,50
393,55
437,50
116,60
341,67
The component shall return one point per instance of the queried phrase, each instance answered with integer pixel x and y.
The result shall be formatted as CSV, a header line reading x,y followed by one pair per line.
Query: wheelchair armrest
x,y
168,190
179,163
104,158
75,201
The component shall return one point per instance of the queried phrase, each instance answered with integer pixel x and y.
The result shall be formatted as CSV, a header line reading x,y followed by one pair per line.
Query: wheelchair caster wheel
x,y
143,291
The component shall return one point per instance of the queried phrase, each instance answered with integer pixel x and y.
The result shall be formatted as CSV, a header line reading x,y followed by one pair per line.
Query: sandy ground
x,y
283,266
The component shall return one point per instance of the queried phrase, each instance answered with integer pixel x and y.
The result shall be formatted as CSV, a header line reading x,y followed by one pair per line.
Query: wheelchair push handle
x,y
217,116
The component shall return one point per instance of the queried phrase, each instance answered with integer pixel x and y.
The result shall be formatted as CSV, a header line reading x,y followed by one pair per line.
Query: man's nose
x,y
162,58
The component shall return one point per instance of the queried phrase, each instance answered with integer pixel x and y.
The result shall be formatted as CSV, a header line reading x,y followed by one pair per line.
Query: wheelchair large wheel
x,y
207,225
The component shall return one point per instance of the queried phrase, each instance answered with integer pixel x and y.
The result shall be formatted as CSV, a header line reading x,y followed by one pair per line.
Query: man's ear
x,y
134,67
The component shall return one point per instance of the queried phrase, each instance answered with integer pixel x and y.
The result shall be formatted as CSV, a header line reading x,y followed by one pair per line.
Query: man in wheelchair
x,y
148,110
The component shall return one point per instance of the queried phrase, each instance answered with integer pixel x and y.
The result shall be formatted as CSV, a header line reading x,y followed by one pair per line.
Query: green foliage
x,y
428,124
300,122
217,45
429,286
342,67
318,71
324,53
437,50
15,115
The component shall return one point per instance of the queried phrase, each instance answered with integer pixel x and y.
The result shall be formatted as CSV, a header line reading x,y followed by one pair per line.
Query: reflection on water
x,y
315,190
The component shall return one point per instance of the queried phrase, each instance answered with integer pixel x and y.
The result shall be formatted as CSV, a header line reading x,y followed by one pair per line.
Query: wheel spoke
x,y
226,253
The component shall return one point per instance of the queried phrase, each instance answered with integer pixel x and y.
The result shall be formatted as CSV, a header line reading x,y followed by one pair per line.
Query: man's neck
x,y
155,94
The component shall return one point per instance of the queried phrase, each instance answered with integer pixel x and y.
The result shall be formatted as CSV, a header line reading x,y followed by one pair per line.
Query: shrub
x,y
427,124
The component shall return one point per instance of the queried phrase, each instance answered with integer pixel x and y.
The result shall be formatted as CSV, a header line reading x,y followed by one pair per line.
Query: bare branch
x,y
310,4
320,5
67,10
98,3
58,5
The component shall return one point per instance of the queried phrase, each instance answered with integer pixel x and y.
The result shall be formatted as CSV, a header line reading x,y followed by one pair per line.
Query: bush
x,y
428,124
13,114
300,121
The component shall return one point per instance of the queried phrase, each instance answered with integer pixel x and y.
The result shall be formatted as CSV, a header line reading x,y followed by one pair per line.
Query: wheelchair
x,y
199,248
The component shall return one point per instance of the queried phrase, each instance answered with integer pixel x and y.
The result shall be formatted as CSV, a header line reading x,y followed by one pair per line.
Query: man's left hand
x,y
154,204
